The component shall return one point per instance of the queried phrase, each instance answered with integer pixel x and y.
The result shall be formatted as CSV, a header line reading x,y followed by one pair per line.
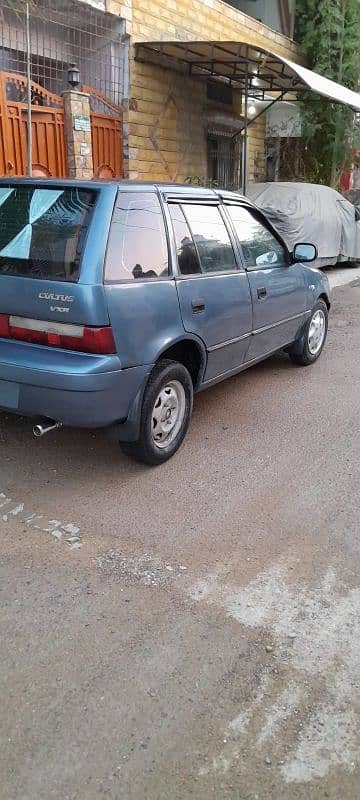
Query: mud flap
x,y
297,347
129,429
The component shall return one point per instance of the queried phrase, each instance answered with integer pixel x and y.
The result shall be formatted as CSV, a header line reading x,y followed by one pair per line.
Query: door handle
x,y
198,305
261,292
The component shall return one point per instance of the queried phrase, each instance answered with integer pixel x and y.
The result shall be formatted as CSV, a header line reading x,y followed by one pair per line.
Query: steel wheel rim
x,y
317,331
168,414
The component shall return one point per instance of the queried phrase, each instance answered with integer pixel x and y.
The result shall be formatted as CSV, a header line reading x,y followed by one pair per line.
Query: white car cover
x,y
307,212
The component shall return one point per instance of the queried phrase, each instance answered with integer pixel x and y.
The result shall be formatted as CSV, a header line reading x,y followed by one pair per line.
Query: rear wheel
x,y
165,414
308,349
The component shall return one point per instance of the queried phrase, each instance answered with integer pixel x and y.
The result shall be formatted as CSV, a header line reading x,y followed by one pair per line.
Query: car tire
x,y
165,414
307,350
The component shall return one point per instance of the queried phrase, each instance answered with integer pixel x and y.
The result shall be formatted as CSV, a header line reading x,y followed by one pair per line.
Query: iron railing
x,y
64,32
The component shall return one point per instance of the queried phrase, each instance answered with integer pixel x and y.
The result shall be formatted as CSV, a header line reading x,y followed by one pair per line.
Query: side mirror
x,y
304,252
267,258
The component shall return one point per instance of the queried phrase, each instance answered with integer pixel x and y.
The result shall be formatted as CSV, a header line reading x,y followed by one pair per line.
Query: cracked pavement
x,y
190,631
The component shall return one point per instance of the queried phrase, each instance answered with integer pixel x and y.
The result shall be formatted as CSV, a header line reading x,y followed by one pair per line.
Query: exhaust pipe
x,y
45,427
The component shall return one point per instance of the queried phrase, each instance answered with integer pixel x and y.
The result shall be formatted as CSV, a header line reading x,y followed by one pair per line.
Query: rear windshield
x,y
43,231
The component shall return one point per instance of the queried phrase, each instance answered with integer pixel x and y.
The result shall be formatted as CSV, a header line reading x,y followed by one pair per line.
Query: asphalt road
x,y
190,631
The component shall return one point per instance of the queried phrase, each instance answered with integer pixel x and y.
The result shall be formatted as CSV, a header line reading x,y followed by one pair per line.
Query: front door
x,y
223,161
278,288
213,292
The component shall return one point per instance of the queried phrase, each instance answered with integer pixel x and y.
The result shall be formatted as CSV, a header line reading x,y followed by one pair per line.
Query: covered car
x,y
308,212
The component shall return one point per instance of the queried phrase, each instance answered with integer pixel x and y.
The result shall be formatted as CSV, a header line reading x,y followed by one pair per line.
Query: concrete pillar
x,y
78,134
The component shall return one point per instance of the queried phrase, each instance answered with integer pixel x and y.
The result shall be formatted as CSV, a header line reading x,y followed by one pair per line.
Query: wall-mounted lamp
x,y
73,76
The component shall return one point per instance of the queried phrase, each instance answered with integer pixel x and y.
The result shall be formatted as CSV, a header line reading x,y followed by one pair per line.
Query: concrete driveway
x,y
190,631
342,276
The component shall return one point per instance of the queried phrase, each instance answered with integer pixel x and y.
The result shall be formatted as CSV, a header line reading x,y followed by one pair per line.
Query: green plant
x,y
329,31
197,180
18,5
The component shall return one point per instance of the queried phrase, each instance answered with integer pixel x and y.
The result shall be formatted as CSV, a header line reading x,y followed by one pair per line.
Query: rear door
x,y
141,294
278,287
213,289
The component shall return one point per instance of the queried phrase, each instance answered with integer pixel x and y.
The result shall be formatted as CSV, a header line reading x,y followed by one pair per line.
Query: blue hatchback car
x,y
118,301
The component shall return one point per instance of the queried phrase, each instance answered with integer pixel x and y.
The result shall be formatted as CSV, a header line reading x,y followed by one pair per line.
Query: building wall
x,y
256,151
166,132
168,112
278,14
168,123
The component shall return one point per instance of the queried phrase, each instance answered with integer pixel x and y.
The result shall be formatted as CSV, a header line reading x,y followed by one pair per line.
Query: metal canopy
x,y
260,74
238,62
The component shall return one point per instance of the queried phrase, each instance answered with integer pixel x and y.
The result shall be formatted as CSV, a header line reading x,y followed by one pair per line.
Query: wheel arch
x,y
190,352
323,296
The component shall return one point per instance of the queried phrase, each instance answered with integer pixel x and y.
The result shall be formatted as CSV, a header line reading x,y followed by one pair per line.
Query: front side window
x,y
211,238
137,246
259,245
43,231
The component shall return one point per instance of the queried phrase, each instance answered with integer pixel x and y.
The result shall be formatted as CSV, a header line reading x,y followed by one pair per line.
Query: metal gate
x,y
47,123
106,135
223,160
62,32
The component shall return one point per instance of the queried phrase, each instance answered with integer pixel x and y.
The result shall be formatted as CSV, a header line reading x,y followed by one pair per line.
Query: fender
x,y
189,337
128,430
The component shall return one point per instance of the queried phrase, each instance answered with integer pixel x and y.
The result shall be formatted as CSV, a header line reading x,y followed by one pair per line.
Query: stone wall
x,y
169,113
78,143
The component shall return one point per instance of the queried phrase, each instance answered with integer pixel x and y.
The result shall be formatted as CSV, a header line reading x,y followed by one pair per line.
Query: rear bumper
x,y
79,390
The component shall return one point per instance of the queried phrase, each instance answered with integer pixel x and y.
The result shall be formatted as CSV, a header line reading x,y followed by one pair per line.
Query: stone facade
x,y
167,115
78,143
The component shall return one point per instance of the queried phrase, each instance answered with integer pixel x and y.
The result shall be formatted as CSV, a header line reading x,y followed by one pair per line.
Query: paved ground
x,y
340,277
190,631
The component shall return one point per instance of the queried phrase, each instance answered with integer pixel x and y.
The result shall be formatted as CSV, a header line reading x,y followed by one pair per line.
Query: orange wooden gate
x,y
47,125
106,134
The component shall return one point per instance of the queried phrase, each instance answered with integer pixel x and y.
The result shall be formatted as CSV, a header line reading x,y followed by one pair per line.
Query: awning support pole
x,y
244,153
254,119
28,65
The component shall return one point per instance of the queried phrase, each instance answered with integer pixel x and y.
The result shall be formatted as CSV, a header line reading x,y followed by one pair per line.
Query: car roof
x,y
163,187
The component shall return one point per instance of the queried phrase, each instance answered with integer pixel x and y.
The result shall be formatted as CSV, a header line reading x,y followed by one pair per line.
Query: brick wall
x,y
166,131
256,151
168,113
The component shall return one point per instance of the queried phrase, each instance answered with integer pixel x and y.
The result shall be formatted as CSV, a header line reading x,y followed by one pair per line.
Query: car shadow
x,y
55,456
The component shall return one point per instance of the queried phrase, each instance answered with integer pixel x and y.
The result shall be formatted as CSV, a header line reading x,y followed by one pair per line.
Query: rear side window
x,y
137,246
211,238
43,231
187,255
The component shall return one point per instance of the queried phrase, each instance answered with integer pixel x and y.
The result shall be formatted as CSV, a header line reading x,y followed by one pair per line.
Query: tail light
x,y
58,334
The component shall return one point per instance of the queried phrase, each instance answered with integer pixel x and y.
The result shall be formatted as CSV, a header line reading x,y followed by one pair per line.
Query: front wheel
x,y
165,414
307,350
